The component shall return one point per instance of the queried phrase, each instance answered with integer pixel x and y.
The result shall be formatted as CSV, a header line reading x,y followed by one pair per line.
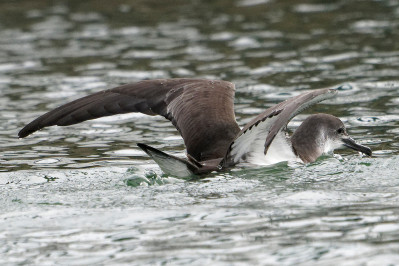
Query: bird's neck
x,y
307,144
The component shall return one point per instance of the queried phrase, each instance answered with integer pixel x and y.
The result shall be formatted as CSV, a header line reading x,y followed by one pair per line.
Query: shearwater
x,y
203,112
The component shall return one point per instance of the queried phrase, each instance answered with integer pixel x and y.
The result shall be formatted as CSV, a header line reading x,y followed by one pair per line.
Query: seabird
x,y
203,112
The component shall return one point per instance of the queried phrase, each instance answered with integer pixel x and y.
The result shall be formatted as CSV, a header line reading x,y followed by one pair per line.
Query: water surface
x,y
86,194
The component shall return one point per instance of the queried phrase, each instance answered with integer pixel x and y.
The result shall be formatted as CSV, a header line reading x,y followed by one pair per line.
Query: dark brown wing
x,y
261,131
202,111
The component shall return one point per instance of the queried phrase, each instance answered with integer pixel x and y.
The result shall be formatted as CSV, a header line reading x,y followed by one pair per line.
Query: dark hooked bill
x,y
350,143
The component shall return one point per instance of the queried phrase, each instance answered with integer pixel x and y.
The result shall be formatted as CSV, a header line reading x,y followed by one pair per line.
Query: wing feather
x,y
201,110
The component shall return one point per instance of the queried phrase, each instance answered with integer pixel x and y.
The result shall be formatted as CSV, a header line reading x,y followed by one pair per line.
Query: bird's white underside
x,y
250,146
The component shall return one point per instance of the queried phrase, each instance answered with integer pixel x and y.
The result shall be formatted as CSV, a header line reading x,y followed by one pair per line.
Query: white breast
x,y
250,146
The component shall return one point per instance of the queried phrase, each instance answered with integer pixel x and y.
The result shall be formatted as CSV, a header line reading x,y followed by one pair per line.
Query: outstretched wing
x,y
256,137
202,111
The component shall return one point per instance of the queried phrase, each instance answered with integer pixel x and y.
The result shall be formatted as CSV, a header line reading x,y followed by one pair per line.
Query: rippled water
x,y
86,194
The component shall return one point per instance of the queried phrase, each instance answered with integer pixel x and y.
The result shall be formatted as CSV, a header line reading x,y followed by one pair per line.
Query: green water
x,y
86,195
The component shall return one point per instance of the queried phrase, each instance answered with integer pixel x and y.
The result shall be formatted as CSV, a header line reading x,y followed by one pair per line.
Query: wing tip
x,y
143,146
22,134
26,131
152,151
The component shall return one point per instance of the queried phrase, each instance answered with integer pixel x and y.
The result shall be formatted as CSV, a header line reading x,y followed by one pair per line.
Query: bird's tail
x,y
169,164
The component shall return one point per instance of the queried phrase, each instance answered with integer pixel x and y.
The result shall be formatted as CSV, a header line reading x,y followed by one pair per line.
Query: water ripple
x,y
86,194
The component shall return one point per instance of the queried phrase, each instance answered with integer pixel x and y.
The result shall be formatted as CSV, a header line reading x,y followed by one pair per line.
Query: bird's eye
x,y
340,130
